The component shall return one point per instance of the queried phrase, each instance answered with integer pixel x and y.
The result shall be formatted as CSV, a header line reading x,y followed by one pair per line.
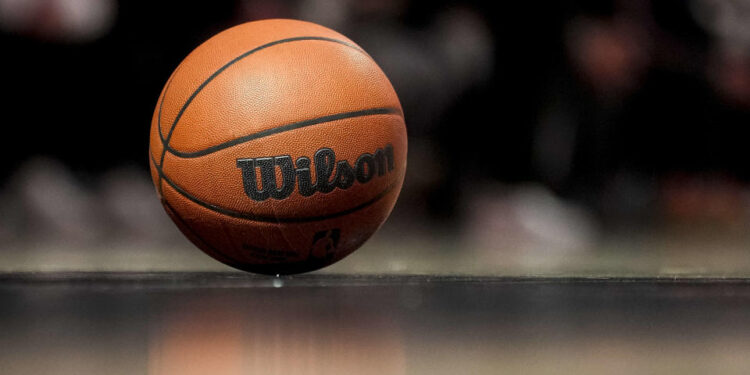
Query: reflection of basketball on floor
x,y
221,337
278,146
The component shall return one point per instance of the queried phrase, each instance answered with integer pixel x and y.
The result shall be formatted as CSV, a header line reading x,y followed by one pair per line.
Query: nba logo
x,y
324,244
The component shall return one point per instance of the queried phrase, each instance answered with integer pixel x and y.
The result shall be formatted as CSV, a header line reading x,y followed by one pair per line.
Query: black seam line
x,y
269,268
270,219
161,102
266,268
283,128
214,253
232,62
158,121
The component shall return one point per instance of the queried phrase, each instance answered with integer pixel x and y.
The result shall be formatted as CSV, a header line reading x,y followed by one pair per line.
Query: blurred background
x,y
579,138
587,138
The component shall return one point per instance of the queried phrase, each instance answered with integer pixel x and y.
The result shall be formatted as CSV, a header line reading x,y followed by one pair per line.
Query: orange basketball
x,y
278,146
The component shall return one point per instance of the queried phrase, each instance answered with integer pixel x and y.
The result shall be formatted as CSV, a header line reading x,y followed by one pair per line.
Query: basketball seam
x,y
283,128
205,83
265,268
165,141
214,253
161,103
269,219
234,61
158,122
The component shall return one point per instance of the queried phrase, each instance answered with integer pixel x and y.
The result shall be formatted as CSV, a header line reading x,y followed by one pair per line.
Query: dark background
x,y
557,124
576,201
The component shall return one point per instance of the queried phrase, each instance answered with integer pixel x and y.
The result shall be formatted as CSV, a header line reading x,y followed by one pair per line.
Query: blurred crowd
x,y
544,121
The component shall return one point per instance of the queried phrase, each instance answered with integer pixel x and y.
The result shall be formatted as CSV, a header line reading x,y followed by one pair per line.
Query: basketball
x,y
278,146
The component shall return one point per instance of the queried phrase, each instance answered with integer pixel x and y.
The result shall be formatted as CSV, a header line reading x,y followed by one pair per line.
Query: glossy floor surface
x,y
233,323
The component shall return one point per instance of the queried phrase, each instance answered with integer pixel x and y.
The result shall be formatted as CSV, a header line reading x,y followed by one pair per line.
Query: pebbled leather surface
x,y
220,104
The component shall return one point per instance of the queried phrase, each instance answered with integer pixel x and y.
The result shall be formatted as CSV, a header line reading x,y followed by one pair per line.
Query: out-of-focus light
x,y
227,338
728,20
76,21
